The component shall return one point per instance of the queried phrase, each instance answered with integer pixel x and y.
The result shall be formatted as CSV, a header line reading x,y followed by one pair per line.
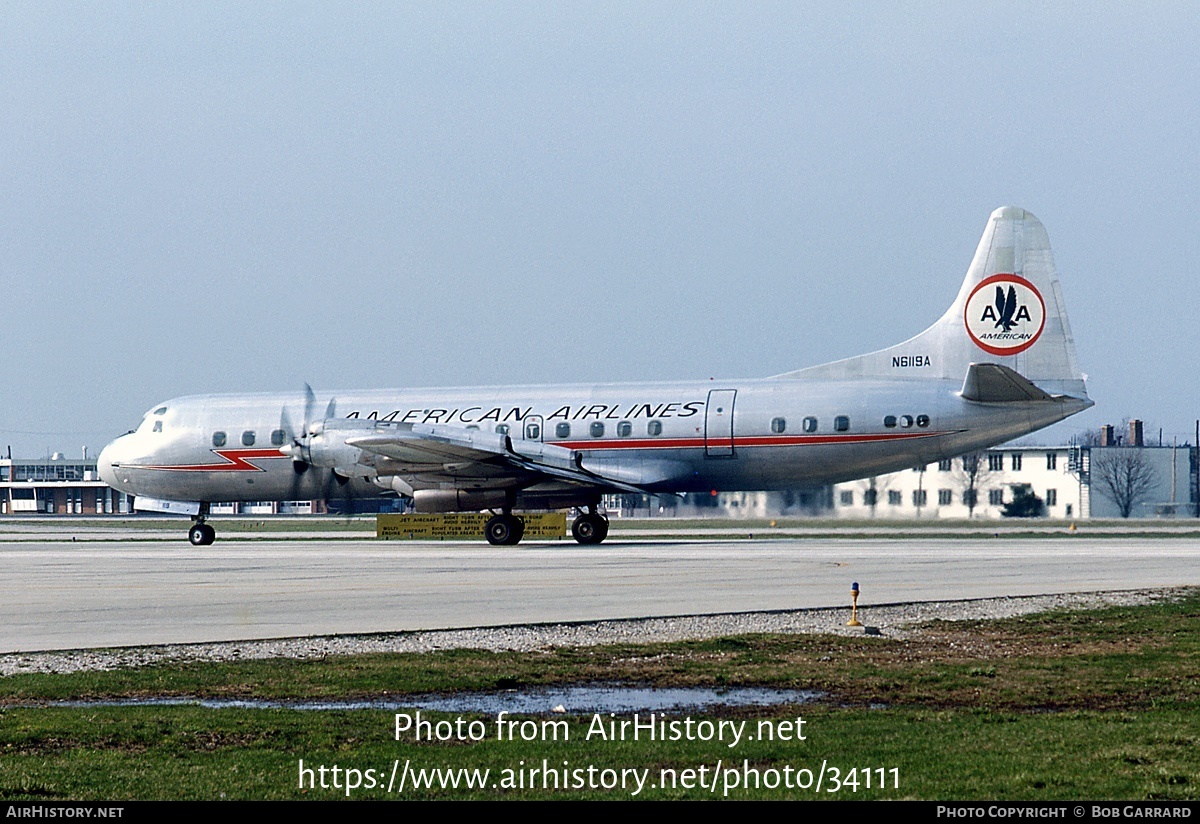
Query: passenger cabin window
x,y
889,421
841,423
501,429
906,421
533,431
157,426
654,428
624,429
778,425
278,437
922,420
563,430
218,439
597,429
247,438
810,425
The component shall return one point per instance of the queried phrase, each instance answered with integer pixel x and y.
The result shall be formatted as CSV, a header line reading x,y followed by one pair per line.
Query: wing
x,y
426,456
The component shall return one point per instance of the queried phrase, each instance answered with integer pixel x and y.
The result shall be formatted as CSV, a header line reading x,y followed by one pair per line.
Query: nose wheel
x,y
589,528
201,534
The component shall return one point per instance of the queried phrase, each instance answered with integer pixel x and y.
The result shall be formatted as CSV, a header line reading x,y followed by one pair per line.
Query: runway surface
x,y
62,595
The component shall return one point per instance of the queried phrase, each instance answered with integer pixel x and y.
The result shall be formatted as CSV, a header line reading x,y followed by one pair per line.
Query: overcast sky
x,y
210,197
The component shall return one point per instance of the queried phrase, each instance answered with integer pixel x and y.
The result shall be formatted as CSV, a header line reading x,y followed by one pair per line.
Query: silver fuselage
x,y
766,434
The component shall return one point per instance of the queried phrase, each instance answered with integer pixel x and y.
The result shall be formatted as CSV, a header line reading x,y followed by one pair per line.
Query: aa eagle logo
x,y
1005,314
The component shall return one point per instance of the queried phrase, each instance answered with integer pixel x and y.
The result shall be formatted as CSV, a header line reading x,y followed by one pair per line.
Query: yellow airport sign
x,y
464,526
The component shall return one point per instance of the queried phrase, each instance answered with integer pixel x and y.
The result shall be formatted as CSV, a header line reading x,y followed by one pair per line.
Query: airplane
x,y
999,364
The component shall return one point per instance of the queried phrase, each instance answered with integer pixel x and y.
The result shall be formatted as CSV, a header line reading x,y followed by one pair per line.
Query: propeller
x,y
298,445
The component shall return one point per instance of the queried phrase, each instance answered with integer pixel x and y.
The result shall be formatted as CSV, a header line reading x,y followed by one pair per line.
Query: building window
x,y
920,497
247,438
996,497
841,423
778,426
563,430
654,428
1069,508
871,497
218,439
847,498
944,465
810,424
1016,462
889,421
894,497
624,429
996,463
945,497
597,429
1051,460
1051,497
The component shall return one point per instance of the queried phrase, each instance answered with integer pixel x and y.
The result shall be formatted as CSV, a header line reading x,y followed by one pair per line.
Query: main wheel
x,y
589,529
504,530
210,535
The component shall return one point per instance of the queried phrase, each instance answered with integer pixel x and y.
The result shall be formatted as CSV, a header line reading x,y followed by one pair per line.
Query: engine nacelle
x,y
459,500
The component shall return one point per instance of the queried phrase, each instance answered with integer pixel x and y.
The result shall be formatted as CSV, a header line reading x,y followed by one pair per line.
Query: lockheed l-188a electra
x,y
1000,363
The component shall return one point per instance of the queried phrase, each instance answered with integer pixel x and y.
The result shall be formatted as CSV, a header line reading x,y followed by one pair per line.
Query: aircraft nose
x,y
110,455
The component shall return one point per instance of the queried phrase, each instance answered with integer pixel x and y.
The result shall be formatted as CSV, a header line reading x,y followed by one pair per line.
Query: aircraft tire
x,y
589,529
210,535
197,534
503,530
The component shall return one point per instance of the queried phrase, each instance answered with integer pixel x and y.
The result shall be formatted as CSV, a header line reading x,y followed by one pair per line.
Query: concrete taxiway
x,y
63,595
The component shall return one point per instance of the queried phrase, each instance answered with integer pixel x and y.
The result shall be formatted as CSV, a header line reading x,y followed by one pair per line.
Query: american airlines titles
x,y
498,414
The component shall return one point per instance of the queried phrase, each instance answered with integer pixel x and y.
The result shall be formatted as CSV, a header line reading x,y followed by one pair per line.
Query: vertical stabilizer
x,y
1009,311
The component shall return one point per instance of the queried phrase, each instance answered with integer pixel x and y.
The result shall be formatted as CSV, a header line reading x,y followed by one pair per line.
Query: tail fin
x,y
1009,311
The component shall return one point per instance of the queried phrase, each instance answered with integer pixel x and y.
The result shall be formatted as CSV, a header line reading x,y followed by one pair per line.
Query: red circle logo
x,y
1005,314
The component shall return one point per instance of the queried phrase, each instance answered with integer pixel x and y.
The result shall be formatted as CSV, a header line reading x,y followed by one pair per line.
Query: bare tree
x,y
1124,475
973,470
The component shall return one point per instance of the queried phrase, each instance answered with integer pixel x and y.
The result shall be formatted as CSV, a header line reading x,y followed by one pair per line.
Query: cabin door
x,y
718,423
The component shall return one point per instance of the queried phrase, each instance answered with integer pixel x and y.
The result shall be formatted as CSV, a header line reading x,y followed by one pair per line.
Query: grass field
x,y
1086,705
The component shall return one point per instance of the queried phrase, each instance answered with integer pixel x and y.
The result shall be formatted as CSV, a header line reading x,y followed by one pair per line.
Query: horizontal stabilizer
x,y
993,383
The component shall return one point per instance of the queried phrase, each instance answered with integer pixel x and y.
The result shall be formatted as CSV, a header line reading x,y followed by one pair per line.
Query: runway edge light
x,y
854,622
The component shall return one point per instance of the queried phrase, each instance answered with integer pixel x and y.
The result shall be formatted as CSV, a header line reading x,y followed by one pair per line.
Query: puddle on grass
x,y
594,698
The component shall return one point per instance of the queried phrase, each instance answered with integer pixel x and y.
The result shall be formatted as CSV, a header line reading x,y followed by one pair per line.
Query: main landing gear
x,y
505,529
590,527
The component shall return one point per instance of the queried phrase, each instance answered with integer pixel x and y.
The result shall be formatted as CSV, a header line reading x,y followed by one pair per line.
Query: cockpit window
x,y
157,426
162,410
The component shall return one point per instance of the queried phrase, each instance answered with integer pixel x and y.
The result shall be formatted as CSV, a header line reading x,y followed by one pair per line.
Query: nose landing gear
x,y
201,534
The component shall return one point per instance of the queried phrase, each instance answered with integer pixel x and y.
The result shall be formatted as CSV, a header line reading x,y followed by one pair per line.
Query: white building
x,y
1067,479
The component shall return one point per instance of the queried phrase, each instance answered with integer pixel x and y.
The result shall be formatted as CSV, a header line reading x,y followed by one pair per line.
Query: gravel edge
x,y
893,621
